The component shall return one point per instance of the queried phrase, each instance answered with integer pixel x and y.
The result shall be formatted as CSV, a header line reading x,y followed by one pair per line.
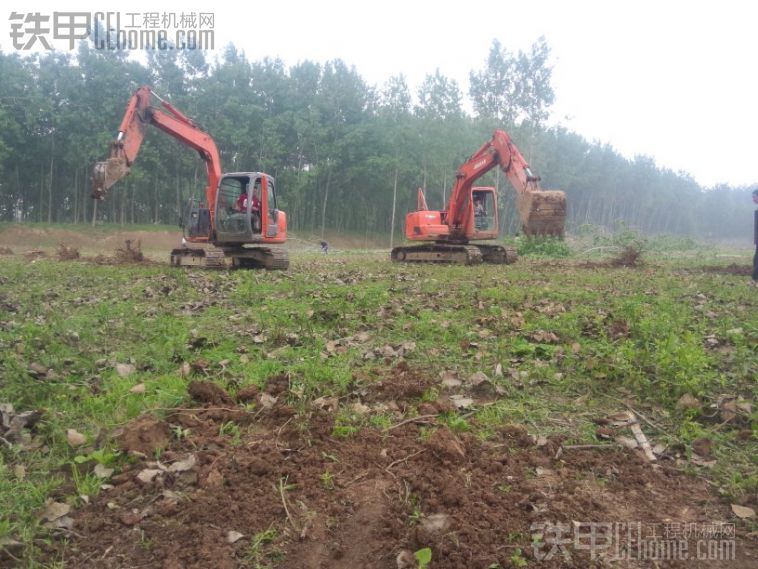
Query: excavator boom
x,y
140,113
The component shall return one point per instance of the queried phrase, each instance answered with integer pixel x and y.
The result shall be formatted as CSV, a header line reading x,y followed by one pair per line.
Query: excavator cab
x,y
485,213
246,209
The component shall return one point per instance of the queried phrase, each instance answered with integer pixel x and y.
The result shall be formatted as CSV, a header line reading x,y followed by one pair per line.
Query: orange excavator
x,y
471,213
238,219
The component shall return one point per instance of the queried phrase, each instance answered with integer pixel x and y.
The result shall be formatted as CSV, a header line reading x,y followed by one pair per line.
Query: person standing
x,y
755,237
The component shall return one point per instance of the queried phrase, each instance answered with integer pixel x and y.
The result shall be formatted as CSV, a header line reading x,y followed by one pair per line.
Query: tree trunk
x,y
50,182
423,182
85,199
124,196
76,195
94,212
22,193
178,191
155,197
326,198
444,190
394,201
41,190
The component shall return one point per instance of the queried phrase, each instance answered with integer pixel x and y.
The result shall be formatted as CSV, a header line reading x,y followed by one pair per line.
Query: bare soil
x,y
302,497
48,237
156,244
733,269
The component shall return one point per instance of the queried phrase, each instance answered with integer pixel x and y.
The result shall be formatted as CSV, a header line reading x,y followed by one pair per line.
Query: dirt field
x,y
351,412
309,499
156,244
23,237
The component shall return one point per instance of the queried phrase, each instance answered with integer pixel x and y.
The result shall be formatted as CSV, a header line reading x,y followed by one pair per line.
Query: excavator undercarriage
x,y
269,258
444,252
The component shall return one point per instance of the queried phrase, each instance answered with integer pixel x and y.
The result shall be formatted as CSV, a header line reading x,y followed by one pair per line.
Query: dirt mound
x,y
144,436
128,254
34,254
630,256
280,490
400,384
66,253
733,269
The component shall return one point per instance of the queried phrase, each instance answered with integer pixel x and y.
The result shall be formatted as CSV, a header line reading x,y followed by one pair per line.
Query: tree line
x,y
343,151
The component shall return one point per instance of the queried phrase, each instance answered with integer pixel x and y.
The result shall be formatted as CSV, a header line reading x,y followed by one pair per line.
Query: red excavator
x,y
238,219
471,213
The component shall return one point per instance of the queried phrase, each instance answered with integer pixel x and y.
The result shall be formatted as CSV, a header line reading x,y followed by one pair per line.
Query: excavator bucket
x,y
107,173
542,212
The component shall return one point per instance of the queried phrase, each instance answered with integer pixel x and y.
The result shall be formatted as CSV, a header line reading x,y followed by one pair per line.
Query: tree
x,y
534,93
494,89
439,98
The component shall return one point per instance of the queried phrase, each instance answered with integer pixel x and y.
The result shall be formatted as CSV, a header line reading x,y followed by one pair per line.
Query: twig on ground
x,y
410,456
354,480
286,509
604,446
411,420
642,441
640,415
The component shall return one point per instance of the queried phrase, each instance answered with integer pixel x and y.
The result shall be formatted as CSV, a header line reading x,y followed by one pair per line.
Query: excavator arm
x,y
139,114
542,212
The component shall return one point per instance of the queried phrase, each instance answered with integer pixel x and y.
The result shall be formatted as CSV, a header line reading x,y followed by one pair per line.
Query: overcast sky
x,y
674,80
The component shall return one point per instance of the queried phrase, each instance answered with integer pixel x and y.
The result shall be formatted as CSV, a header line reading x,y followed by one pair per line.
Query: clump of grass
x,y
629,256
545,247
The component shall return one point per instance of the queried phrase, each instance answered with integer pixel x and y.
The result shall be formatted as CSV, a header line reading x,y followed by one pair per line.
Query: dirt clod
x,y
446,445
209,393
248,394
144,435
277,384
